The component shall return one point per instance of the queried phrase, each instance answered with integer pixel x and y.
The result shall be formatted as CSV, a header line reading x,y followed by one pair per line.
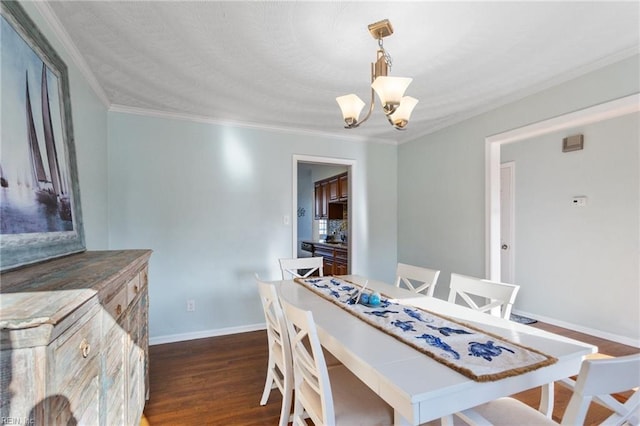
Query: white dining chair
x,y
328,396
500,296
280,364
598,380
570,382
291,268
417,278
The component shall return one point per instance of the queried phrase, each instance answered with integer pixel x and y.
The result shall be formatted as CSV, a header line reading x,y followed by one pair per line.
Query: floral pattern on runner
x,y
477,354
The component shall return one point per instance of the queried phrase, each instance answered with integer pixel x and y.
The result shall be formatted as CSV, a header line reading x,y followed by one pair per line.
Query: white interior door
x,y
507,203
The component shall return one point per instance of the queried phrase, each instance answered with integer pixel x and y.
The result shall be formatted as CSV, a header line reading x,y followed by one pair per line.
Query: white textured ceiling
x,y
281,64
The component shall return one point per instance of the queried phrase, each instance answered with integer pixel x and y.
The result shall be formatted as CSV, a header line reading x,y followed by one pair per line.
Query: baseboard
x,y
575,327
172,338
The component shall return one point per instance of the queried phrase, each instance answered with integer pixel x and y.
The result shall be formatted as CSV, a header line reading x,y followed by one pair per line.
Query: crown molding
x,y
531,90
210,120
71,48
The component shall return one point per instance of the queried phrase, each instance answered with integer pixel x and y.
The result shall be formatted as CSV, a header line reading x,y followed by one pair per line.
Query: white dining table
x,y
419,388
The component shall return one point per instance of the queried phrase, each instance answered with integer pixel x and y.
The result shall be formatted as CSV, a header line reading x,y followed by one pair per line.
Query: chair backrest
x,y
501,295
290,267
599,379
277,332
310,374
417,278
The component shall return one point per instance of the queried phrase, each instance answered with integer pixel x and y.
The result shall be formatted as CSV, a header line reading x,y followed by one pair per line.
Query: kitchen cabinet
x,y
334,191
343,186
321,201
330,195
74,346
335,256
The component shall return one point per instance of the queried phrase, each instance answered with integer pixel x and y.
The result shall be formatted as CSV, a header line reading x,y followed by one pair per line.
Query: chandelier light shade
x,y
351,106
390,90
400,117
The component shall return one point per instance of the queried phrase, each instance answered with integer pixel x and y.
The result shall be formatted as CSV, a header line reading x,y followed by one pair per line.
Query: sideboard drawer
x,y
118,304
133,288
76,348
75,371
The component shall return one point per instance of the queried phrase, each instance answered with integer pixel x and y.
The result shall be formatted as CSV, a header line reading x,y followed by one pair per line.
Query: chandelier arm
x,y
371,104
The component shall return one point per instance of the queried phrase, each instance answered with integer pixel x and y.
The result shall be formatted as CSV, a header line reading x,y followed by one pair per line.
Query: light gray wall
x,y
210,200
586,257
89,116
441,182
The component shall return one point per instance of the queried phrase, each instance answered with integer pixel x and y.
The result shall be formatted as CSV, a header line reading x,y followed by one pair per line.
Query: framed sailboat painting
x,y
40,214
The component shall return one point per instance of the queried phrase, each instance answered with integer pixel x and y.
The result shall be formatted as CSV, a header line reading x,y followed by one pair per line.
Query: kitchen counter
x,y
335,255
327,244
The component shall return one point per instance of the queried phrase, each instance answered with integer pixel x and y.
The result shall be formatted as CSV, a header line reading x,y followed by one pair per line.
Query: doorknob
x,y
504,247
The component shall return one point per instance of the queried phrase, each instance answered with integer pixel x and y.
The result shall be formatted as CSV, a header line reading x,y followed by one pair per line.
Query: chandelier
x,y
390,90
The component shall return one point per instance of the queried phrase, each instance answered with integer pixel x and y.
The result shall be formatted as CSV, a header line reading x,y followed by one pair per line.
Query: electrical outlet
x,y
191,305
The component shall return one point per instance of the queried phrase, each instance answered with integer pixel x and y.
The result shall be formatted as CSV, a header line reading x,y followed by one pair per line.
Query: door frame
x,y
510,167
353,204
604,111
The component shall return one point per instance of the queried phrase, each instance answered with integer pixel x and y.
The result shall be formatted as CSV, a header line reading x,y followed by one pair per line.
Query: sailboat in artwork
x,y
59,184
41,184
50,189
4,183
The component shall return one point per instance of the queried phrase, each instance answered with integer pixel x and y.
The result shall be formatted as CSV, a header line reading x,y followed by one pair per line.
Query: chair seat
x,y
355,403
509,411
501,412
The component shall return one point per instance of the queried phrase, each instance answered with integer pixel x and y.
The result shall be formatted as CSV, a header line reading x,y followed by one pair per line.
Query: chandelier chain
x,y
387,57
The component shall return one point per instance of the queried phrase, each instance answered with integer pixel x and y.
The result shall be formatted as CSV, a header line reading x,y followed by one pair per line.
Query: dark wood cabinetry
x,y
320,198
335,257
334,194
329,195
343,186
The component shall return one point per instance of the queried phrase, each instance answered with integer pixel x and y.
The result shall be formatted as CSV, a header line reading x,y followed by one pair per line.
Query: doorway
x,y
601,112
302,215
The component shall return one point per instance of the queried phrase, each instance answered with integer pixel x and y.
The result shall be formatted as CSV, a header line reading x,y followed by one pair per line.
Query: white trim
x,y
49,15
607,110
353,201
511,167
526,92
581,329
210,120
172,338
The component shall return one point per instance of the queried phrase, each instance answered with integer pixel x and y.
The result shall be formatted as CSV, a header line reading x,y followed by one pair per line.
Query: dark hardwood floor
x,y
219,381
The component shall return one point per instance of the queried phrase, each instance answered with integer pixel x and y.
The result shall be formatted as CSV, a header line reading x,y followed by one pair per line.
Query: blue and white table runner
x,y
478,355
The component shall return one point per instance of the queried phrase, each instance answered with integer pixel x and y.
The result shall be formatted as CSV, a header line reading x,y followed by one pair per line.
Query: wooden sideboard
x,y
74,344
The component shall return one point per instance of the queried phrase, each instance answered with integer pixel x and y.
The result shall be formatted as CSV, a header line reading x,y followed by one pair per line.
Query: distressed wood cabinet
x,y
74,345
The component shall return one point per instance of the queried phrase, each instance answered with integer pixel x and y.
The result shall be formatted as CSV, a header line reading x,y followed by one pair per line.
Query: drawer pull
x,y
118,309
135,289
85,348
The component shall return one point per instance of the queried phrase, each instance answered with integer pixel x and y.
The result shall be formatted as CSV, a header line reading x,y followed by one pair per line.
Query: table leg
x,y
546,400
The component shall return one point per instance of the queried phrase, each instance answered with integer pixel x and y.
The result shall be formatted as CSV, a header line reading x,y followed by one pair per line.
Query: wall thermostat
x,y
580,201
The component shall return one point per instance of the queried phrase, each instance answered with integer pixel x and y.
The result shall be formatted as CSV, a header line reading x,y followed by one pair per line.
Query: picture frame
x,y
40,213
